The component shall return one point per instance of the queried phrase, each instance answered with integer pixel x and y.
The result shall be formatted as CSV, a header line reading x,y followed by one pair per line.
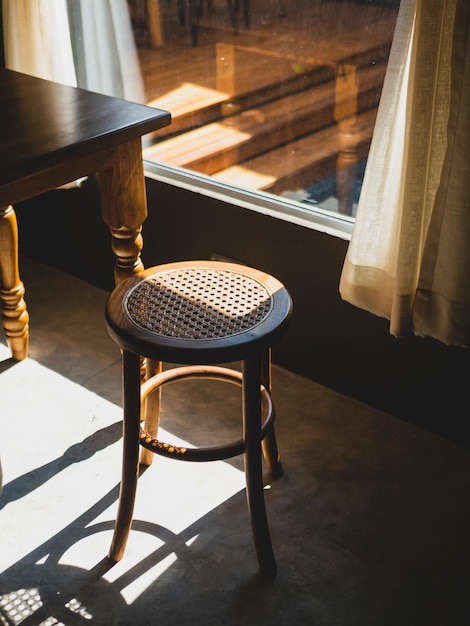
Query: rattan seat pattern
x,y
198,303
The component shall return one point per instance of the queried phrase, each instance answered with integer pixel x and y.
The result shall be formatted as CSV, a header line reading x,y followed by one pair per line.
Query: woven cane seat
x,y
198,303
217,311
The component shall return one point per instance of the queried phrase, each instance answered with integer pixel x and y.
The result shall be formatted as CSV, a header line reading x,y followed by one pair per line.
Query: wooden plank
x,y
301,162
219,145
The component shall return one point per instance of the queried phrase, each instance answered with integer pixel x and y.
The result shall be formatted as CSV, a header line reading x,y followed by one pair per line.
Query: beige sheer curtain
x,y
85,43
409,255
37,39
104,47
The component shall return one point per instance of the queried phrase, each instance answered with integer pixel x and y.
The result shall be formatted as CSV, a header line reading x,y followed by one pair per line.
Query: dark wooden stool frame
x,y
245,312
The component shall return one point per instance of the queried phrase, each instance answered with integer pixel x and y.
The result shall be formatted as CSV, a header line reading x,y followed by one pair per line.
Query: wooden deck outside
x,y
277,106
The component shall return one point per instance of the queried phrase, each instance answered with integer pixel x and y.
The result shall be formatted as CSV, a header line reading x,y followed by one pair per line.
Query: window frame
x,y
278,207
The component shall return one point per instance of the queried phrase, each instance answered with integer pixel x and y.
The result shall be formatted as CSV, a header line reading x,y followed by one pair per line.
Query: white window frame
x,y
281,208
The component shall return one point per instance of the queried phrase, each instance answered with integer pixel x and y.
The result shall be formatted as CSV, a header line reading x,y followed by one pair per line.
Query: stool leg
x,y
130,458
151,410
253,465
271,454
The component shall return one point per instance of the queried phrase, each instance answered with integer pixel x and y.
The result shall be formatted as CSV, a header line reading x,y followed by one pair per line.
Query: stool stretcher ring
x,y
214,453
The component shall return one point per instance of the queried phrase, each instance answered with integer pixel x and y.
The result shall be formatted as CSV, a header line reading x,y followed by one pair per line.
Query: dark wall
x,y
330,341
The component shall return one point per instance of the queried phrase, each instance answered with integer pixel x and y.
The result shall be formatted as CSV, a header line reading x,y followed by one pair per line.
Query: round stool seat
x,y
198,312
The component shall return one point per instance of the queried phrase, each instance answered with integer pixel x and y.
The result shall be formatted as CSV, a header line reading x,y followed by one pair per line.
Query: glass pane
x,y
274,96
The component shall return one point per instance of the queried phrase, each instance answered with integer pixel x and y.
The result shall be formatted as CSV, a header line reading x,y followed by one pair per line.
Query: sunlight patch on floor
x,y
60,446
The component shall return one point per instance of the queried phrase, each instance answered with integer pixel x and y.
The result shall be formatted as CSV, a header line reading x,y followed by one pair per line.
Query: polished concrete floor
x,y
370,523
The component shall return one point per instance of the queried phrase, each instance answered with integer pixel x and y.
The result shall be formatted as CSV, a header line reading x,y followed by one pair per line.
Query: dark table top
x,y
44,124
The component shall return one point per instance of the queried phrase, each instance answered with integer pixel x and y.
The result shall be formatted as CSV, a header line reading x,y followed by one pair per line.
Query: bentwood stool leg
x,y
151,410
130,459
253,465
271,454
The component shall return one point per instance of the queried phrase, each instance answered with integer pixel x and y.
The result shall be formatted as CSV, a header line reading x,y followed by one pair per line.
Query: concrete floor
x,y
369,523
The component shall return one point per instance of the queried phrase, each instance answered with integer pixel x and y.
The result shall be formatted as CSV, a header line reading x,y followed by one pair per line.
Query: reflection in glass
x,y
285,104
272,97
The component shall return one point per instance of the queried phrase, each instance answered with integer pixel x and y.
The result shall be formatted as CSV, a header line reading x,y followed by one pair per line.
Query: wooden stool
x,y
198,314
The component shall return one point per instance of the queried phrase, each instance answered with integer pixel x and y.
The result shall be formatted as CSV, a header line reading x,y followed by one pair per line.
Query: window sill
x,y
274,206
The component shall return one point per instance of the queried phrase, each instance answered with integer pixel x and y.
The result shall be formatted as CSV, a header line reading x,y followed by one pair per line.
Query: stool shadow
x,y
47,588
25,484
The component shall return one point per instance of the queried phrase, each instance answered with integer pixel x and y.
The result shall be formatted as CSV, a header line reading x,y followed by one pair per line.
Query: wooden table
x,y
51,134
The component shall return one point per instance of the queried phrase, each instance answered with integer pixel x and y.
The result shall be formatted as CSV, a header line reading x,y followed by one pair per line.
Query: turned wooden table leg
x,y
15,318
124,207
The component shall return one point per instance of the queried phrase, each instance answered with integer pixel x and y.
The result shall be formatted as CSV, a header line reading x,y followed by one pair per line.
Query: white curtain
x,y
409,255
85,43
37,39
104,46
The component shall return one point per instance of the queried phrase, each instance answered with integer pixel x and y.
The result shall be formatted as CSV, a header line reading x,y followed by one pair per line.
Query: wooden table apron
x,y
52,134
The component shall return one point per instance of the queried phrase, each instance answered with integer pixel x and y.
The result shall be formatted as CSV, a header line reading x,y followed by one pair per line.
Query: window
x,y
279,101
273,102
